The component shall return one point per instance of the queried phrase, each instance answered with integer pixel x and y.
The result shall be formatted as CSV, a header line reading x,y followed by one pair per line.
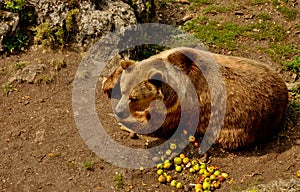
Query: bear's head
x,y
152,92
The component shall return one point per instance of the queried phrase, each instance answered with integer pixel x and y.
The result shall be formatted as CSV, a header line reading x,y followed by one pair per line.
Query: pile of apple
x,y
208,177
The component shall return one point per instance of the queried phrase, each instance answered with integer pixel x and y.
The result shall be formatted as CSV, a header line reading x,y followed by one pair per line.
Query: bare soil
x,y
42,150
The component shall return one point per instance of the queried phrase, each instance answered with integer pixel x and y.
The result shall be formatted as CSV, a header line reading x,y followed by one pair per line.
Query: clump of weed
x,y
292,113
19,40
119,180
70,19
17,66
48,36
88,165
293,66
45,78
6,88
15,42
58,64
288,13
44,34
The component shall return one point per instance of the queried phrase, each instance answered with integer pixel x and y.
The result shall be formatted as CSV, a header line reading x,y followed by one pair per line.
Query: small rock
x,y
297,32
28,74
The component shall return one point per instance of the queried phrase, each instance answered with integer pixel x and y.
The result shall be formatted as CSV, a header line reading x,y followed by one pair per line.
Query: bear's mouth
x,y
145,125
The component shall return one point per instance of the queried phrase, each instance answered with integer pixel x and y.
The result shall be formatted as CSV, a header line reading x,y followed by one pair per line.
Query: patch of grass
x,y
119,180
264,16
288,13
265,31
45,78
214,9
6,88
293,66
258,2
71,164
18,66
223,35
48,36
293,112
280,52
58,64
88,165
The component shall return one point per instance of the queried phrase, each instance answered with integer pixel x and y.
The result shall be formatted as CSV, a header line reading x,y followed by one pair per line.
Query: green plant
x,y
293,112
15,5
58,64
70,19
44,34
6,88
119,180
60,37
293,66
18,66
16,42
88,165
288,13
45,78
21,7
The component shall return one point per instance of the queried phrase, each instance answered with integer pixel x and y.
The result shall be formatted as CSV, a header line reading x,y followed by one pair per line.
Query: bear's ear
x,y
125,64
182,59
155,77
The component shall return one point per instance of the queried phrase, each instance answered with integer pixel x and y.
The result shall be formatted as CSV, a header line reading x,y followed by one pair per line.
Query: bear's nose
x,y
122,110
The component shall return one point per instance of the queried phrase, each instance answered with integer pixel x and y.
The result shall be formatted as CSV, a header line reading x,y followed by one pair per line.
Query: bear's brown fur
x,y
256,96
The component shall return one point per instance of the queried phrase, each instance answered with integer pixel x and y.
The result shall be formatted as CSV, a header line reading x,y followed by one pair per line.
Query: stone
x,y
28,74
8,25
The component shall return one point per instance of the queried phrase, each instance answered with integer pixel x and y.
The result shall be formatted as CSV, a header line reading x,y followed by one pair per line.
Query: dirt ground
x,y
42,150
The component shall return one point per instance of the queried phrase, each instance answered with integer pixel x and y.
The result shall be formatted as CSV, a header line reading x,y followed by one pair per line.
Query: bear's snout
x,y
122,109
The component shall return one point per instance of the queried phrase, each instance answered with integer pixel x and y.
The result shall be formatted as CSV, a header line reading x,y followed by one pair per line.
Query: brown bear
x,y
256,96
